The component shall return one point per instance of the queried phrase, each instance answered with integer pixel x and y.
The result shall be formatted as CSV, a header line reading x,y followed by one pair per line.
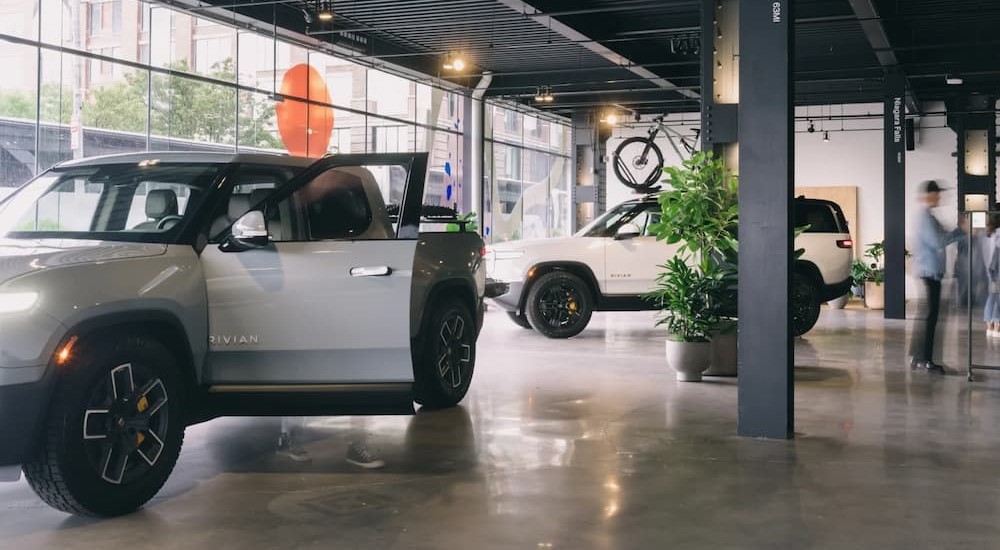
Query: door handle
x,y
371,271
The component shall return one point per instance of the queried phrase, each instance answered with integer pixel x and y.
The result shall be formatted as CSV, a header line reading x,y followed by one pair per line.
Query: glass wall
x,y
528,171
112,76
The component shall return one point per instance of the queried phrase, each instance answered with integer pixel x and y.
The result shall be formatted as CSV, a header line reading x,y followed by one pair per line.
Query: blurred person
x,y
991,259
929,254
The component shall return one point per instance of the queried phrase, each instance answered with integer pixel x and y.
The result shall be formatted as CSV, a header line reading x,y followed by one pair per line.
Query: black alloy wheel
x,y
115,427
445,356
519,320
125,424
805,305
559,305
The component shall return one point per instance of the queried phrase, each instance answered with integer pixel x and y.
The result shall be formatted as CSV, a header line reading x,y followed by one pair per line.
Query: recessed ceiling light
x,y
953,80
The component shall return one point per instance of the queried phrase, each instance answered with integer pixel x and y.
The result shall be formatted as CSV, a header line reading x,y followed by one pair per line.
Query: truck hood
x,y
23,256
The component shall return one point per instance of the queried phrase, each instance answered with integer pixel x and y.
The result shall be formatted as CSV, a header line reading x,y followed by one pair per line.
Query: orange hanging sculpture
x,y
305,128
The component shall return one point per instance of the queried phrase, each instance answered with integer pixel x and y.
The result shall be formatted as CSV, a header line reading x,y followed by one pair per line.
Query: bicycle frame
x,y
670,134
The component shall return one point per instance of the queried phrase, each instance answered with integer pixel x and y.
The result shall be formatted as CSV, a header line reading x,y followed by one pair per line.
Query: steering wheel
x,y
162,224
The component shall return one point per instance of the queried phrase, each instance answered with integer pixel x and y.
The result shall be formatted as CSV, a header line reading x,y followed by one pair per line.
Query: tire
x,y
77,469
445,358
559,305
623,166
519,320
805,305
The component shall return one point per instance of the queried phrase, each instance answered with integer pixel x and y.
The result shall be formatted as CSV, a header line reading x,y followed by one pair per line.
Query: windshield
x,y
603,225
144,202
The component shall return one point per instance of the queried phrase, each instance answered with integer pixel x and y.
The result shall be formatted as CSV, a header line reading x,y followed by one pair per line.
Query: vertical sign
x,y
894,217
767,169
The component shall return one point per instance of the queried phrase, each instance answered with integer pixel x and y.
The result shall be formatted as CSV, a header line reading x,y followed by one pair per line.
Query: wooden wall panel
x,y
847,197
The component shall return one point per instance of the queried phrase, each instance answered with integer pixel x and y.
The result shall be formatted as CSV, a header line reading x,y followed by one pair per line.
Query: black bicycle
x,y
638,161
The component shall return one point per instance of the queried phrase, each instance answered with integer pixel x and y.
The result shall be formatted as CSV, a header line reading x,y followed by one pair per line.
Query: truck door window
x,y
252,186
338,205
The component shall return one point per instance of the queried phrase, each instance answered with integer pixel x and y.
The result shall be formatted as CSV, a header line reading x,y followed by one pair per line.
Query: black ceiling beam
x,y
868,18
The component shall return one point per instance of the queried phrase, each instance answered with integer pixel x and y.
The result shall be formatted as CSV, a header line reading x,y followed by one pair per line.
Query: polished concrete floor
x,y
591,443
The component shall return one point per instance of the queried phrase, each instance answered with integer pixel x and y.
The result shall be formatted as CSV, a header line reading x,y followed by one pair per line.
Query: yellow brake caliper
x,y
141,406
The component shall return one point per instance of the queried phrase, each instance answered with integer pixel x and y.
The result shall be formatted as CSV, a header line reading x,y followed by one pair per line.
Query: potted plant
x,y
685,293
839,302
859,274
875,276
696,290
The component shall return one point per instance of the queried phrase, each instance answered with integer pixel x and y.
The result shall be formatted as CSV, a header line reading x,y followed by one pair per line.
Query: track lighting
x,y
826,137
543,94
812,127
324,10
454,62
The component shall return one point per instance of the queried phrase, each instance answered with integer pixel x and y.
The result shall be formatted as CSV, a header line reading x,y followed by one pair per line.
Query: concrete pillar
x,y
590,191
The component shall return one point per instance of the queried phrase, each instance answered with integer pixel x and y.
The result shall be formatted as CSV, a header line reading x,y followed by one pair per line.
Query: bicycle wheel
x,y
636,170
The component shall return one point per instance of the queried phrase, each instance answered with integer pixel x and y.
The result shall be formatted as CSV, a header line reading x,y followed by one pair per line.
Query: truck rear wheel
x,y
114,428
805,305
446,356
559,305
519,320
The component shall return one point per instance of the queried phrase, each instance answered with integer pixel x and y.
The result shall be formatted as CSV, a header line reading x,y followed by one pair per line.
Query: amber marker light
x,y
66,352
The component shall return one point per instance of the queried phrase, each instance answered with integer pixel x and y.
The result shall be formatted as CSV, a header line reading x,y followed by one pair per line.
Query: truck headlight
x,y
508,254
13,302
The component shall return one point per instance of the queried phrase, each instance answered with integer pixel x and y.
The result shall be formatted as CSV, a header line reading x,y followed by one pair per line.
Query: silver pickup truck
x,y
142,293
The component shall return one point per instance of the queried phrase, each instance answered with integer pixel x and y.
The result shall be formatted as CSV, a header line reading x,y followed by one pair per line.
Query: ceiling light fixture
x,y
547,96
953,80
826,137
812,127
454,62
539,96
324,10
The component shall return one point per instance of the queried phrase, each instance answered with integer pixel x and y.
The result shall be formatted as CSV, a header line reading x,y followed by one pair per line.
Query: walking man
x,y
929,253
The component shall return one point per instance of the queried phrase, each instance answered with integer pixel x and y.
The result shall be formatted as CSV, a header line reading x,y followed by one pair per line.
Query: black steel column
x,y
767,172
894,194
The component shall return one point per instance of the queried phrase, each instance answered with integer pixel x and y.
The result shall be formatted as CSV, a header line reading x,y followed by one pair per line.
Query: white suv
x,y
554,285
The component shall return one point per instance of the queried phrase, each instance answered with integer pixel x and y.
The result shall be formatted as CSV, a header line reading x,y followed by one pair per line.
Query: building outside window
x,y
96,16
165,103
116,16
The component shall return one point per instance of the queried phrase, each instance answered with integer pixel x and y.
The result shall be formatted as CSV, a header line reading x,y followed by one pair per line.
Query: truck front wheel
x,y
519,320
114,428
559,305
445,356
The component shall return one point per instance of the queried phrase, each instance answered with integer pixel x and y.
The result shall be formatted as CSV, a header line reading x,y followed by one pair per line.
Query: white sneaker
x,y
363,458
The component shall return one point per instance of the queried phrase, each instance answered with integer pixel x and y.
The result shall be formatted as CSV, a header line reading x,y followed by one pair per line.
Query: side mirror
x,y
250,231
627,231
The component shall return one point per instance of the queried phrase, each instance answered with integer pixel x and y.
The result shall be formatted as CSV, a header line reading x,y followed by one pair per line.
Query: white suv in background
x,y
554,285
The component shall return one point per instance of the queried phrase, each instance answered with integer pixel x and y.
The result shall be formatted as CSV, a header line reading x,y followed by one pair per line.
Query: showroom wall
x,y
852,157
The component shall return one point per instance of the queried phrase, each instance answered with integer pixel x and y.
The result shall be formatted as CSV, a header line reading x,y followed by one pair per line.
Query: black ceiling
x,y
619,52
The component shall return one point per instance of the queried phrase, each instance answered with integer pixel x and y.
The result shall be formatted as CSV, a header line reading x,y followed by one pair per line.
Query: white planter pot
x,y
724,357
874,295
689,359
839,303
